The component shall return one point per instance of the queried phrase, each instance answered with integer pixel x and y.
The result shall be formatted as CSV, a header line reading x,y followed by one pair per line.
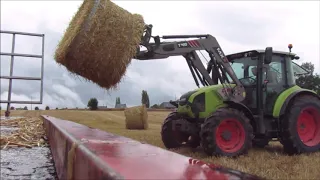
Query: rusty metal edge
x,y
99,163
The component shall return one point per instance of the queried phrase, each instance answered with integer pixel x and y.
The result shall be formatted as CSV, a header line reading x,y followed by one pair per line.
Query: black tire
x,y
309,107
171,138
211,143
194,142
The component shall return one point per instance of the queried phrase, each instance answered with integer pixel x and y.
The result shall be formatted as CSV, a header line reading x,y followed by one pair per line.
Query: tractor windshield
x,y
245,69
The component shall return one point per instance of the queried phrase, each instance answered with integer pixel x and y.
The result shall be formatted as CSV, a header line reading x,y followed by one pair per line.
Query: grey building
x,y
167,105
121,106
102,107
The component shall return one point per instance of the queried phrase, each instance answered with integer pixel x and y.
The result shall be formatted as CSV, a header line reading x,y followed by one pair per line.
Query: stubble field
x,y
270,162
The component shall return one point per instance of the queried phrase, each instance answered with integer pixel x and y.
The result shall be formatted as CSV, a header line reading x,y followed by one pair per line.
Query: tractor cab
x,y
278,75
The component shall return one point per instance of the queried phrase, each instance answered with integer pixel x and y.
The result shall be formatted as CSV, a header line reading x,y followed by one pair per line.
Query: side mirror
x,y
295,58
268,55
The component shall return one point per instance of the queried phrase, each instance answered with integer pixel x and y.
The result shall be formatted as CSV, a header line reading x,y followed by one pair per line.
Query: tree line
x,y
93,102
26,108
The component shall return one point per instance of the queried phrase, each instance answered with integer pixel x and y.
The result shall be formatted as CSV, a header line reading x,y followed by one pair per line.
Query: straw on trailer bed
x,y
29,134
100,42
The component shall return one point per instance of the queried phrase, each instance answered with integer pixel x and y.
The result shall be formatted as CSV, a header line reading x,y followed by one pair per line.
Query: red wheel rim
x,y
230,135
308,126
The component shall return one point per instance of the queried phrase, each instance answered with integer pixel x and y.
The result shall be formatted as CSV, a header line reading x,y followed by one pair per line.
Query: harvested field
x,y
270,163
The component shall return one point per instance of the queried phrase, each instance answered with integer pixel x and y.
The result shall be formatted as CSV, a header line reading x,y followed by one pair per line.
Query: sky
x,y
238,26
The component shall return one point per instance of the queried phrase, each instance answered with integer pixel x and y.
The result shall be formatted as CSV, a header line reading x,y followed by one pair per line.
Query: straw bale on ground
x,y
136,117
100,42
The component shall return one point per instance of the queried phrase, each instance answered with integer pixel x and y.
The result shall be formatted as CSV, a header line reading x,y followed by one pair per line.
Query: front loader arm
x,y
167,49
187,49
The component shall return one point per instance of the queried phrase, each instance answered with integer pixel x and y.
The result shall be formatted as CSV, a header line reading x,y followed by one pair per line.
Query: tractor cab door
x,y
274,79
251,89
246,69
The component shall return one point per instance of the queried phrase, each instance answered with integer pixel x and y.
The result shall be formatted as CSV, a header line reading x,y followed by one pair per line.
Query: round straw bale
x,y
136,117
100,42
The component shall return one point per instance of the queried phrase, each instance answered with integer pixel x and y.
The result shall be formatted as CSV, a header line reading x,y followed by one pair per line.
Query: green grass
x,y
270,162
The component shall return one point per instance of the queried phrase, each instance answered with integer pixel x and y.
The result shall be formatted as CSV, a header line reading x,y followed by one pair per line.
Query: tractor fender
x,y
291,97
243,108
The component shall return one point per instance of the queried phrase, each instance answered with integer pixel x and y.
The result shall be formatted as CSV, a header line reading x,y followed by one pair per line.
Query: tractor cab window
x,y
298,70
274,73
245,70
252,71
238,69
294,71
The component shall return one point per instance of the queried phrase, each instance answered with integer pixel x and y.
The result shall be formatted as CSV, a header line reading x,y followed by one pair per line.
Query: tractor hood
x,y
212,88
185,97
201,102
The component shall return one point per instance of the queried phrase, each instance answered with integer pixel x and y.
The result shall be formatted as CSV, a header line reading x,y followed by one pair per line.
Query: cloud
x,y
238,26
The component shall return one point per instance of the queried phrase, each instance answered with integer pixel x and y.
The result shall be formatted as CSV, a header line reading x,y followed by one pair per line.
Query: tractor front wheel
x,y
227,132
172,138
301,126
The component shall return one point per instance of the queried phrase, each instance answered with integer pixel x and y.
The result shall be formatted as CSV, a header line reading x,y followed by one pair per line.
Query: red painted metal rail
x,y
80,152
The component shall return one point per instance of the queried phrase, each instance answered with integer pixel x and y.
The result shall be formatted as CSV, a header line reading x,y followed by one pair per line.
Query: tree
x,y
47,108
117,101
309,81
145,98
36,108
155,106
57,108
25,108
309,67
93,104
11,108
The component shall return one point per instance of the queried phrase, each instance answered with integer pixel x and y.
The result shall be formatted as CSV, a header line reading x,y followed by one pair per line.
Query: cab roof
x,y
242,54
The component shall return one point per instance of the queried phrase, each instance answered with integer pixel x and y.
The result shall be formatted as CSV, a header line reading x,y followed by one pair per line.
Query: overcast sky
x,y
238,26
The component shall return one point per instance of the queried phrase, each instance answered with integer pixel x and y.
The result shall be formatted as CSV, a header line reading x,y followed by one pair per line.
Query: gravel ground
x,y
25,163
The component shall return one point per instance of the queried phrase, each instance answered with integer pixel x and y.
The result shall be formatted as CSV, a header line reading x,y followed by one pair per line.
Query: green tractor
x,y
248,99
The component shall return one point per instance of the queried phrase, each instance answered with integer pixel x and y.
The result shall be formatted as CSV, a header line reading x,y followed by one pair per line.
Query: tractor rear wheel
x,y
172,138
227,132
301,126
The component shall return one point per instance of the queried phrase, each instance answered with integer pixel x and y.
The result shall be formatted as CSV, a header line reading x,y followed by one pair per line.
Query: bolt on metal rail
x,y
11,77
